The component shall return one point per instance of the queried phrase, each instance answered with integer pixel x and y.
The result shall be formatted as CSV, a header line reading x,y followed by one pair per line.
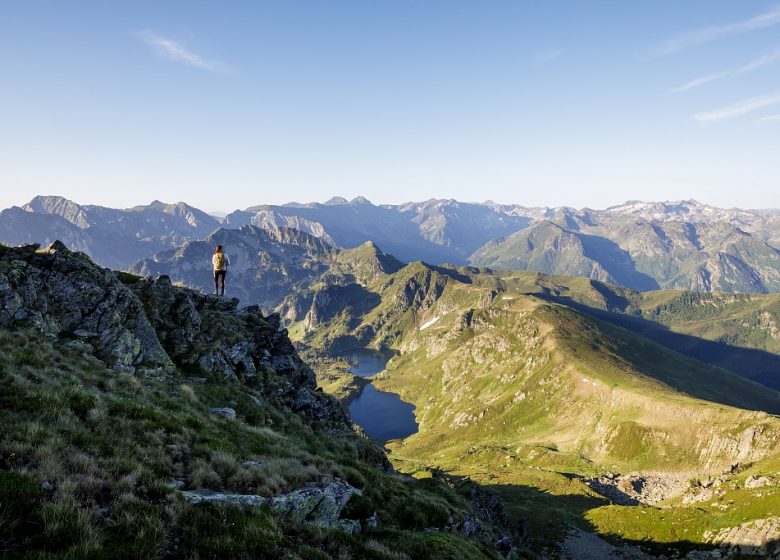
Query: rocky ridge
x,y
152,326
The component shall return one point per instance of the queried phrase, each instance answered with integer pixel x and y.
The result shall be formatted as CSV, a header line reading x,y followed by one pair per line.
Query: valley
x,y
528,385
607,420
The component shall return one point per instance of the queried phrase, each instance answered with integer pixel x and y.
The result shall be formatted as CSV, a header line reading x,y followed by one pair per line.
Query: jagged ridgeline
x,y
264,263
639,245
546,387
143,420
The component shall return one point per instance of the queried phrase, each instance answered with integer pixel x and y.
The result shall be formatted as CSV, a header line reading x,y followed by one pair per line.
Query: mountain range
x,y
643,246
649,417
114,238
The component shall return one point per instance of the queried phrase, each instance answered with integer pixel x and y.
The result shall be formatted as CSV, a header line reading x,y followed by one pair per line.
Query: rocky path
x,y
581,545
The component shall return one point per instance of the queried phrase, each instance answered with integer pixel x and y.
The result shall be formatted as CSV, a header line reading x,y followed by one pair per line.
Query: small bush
x,y
29,357
188,393
419,513
127,278
139,530
229,532
224,464
81,403
203,476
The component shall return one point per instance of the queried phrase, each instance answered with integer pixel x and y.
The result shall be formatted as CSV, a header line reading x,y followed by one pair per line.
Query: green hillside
x,y
522,383
738,332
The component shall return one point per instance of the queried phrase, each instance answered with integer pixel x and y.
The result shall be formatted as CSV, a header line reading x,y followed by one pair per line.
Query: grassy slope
x,y
108,445
530,373
522,394
739,332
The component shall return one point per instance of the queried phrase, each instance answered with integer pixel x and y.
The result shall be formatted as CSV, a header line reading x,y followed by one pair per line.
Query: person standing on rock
x,y
220,261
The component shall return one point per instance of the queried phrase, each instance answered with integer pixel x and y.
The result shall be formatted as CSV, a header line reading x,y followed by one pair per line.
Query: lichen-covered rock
x,y
319,506
200,496
146,323
224,412
64,294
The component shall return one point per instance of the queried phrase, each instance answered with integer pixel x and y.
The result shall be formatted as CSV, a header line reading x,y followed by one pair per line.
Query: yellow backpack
x,y
219,261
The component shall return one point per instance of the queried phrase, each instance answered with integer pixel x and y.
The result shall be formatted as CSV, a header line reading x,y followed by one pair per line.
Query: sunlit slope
x,y
494,359
739,332
525,373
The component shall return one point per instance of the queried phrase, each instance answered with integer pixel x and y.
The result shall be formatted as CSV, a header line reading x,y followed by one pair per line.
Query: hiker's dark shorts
x,y
219,274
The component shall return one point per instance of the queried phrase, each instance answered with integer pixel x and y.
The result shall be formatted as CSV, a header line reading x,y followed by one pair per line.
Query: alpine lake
x,y
383,416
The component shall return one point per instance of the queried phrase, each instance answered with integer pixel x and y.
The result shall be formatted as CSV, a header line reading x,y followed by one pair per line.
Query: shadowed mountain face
x,y
738,332
649,249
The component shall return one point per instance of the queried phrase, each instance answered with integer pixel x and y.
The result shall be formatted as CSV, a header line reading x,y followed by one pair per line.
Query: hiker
x,y
221,263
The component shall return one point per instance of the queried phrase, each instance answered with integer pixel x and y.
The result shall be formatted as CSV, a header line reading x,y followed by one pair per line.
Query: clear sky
x,y
227,104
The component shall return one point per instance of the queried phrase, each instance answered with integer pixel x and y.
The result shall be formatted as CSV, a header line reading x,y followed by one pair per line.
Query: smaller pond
x,y
383,416
366,363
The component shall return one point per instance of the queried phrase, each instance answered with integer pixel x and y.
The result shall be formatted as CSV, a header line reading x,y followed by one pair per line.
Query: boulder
x,y
312,504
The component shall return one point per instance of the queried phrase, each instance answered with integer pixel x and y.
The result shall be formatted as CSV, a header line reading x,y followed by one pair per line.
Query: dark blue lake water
x,y
366,363
384,416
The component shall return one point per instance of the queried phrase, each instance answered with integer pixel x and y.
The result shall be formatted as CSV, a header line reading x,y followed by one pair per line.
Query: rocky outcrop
x,y
313,504
635,488
757,538
130,322
64,294
421,291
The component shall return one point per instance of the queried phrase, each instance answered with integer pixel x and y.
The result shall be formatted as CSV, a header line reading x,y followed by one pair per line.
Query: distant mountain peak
x,y
336,201
360,200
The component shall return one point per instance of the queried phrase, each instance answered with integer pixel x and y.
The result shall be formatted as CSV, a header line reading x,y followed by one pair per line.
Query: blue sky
x,y
229,104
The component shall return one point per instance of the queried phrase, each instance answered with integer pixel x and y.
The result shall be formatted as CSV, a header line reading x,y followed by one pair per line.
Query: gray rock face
x,y
210,335
225,412
634,488
132,323
61,293
319,506
199,496
322,506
